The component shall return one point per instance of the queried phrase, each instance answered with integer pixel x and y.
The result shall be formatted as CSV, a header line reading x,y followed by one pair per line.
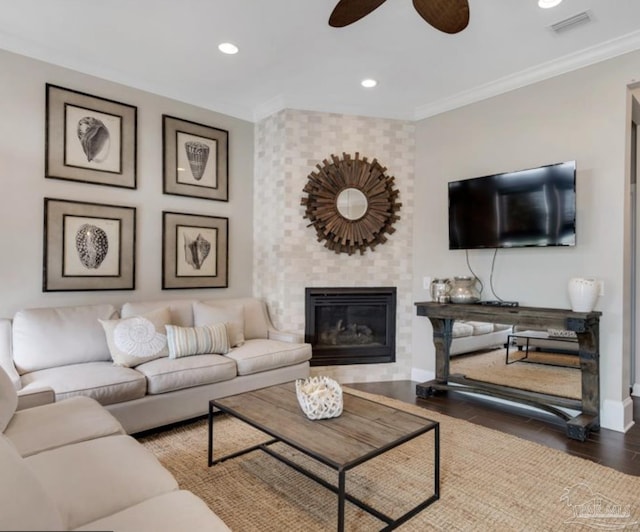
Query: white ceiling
x,y
291,58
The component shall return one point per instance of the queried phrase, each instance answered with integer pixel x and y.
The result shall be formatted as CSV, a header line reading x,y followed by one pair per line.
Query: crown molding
x,y
589,56
268,108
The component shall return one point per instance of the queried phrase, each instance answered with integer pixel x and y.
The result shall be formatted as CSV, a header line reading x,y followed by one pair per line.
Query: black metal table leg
x,y
341,498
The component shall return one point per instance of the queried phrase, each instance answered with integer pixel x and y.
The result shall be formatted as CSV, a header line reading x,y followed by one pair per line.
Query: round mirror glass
x,y
352,203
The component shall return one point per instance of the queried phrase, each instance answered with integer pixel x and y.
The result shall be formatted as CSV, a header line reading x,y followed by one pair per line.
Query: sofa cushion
x,y
501,327
461,329
93,479
176,510
256,319
481,327
261,355
137,339
181,310
8,400
232,315
187,341
24,502
166,375
50,337
103,381
53,425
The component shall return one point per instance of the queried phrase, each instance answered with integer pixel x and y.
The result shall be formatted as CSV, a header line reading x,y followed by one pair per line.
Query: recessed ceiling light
x,y
368,83
228,48
546,4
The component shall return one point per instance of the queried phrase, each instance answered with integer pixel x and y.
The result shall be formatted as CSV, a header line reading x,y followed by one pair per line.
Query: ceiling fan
x,y
449,16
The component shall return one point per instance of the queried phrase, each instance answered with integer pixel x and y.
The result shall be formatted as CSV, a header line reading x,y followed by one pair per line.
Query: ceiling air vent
x,y
571,22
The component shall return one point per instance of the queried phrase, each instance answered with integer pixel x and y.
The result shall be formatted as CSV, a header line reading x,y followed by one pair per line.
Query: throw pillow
x,y
561,333
232,315
138,339
187,341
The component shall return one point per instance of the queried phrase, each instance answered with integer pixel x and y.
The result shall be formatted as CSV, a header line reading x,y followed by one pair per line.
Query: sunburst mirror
x,y
351,203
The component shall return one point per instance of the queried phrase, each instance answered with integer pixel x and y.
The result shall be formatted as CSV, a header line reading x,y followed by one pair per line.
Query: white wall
x,y
22,126
581,115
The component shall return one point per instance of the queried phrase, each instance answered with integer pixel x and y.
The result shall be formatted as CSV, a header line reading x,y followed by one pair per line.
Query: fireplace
x,y
351,325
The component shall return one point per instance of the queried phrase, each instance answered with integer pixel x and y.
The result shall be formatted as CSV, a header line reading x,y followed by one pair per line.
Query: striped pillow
x,y
186,341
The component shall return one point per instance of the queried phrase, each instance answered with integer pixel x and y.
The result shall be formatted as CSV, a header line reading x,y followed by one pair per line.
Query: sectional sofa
x,y
469,336
86,351
69,465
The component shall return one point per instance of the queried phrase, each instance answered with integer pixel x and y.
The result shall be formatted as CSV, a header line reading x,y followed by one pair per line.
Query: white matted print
x,y
197,160
93,139
88,246
89,139
91,246
197,249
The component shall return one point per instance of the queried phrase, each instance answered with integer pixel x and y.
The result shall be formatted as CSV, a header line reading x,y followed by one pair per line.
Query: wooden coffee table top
x,y
365,428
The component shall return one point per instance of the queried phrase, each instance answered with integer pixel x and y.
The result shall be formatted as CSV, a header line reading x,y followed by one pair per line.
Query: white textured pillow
x,y
233,316
138,339
187,341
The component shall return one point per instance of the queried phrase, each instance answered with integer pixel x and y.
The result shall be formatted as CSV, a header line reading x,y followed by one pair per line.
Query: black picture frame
x,y
195,159
195,251
88,246
89,139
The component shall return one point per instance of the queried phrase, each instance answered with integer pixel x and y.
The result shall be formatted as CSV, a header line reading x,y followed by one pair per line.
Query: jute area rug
x,y
534,375
489,481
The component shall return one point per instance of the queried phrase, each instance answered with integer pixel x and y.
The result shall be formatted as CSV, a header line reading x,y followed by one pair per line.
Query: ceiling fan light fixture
x,y
546,4
228,48
368,83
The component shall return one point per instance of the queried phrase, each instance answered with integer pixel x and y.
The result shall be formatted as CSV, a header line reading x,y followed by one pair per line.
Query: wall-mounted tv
x,y
535,207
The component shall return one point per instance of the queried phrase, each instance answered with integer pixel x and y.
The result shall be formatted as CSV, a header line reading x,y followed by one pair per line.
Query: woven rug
x,y
537,377
489,481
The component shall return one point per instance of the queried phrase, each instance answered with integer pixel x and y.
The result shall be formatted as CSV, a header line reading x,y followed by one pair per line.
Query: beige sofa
x,y
469,336
66,349
70,466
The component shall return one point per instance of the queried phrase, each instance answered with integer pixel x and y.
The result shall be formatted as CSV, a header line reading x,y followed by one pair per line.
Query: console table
x,y
586,325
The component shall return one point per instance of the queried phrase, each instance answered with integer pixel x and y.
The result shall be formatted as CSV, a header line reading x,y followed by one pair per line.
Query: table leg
x,y
210,448
341,498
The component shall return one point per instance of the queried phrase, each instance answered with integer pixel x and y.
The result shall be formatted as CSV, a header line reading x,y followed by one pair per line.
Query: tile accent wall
x,y
287,255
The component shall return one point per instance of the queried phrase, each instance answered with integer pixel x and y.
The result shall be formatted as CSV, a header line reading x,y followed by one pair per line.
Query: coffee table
x,y
535,335
364,430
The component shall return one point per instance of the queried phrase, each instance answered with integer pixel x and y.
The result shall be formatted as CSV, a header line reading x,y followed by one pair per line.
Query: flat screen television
x,y
534,207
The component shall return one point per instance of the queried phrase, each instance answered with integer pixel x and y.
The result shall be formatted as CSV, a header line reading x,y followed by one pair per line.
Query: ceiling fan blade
x,y
349,11
449,16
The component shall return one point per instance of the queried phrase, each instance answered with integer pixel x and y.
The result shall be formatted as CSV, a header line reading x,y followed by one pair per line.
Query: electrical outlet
x,y
426,283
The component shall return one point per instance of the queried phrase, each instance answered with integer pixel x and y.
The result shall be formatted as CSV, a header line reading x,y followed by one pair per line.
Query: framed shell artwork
x,y
88,246
195,159
194,251
89,139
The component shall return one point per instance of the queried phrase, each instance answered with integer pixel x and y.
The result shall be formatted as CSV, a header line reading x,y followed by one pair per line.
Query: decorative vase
x,y
583,294
440,290
464,290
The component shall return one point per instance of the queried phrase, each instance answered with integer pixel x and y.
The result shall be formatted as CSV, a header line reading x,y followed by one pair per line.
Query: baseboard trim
x,y
617,415
422,375
635,391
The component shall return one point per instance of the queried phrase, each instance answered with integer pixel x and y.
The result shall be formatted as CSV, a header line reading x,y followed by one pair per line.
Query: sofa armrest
x,y
35,397
6,353
285,336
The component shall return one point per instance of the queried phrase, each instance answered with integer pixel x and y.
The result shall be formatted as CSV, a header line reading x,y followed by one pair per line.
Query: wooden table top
x,y
364,429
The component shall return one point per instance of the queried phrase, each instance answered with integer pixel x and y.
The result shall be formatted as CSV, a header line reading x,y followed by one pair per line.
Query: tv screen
x,y
535,207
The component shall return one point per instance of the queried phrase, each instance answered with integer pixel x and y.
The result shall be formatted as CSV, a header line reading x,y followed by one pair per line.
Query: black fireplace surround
x,y
351,325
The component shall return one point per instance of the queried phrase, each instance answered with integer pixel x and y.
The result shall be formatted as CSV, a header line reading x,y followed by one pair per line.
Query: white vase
x,y
583,294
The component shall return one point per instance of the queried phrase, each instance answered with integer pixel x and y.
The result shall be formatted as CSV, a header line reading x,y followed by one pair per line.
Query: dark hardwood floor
x,y
613,449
